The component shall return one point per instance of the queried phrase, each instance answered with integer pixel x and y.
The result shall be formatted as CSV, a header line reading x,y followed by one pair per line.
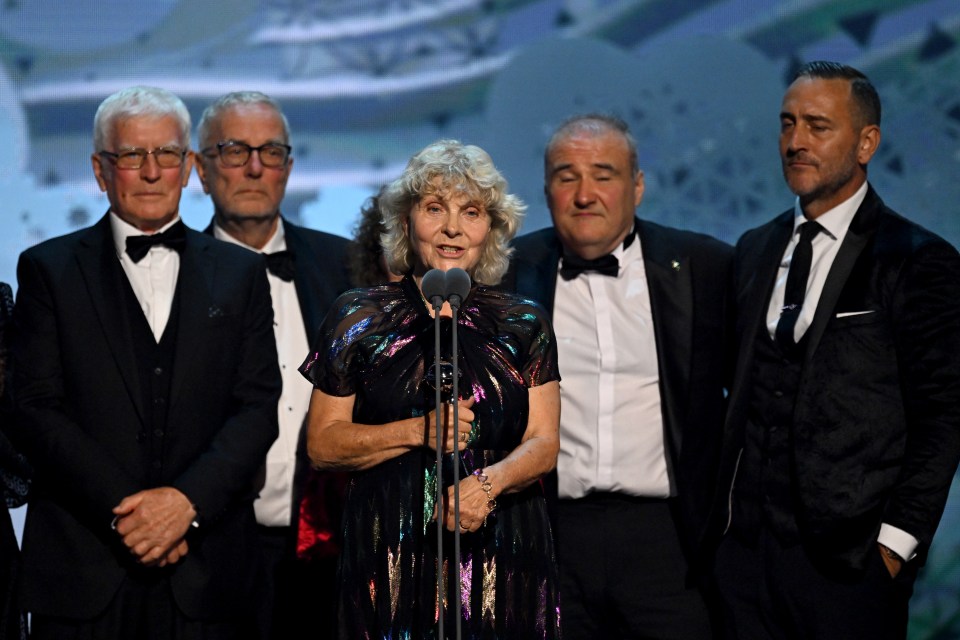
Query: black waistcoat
x,y
764,490
155,368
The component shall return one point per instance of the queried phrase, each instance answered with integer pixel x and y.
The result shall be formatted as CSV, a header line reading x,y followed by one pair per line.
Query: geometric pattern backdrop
x,y
365,83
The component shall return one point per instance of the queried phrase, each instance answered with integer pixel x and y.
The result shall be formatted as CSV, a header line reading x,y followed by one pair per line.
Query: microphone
x,y
458,286
434,287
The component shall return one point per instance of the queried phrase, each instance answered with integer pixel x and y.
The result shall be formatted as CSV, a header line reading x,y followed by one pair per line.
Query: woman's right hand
x,y
450,435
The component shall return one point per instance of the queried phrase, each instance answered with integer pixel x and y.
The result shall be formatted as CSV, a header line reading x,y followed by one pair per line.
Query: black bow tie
x,y
175,238
281,264
573,265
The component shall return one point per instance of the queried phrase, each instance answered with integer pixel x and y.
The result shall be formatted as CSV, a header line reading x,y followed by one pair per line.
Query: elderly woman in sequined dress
x,y
372,413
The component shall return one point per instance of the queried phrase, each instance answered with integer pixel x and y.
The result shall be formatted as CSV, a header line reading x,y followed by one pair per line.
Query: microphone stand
x,y
455,305
453,286
457,288
433,285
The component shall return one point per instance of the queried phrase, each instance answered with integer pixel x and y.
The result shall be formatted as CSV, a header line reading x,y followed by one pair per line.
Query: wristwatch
x,y
890,553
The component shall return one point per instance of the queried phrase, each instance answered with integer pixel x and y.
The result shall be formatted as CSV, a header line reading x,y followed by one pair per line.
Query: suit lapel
x,y
537,272
309,282
760,265
862,229
104,278
754,296
195,285
670,283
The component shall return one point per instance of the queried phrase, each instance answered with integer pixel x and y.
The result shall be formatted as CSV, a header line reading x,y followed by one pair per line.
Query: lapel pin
x,y
214,312
675,264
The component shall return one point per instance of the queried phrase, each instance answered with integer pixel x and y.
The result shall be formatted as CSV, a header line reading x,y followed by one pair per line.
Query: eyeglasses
x,y
237,154
166,157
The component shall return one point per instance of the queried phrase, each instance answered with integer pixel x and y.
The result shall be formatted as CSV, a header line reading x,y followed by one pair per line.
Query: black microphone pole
x,y
457,288
433,287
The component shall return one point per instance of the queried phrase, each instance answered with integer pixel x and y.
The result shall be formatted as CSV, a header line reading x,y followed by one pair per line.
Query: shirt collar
x,y
631,253
836,221
277,242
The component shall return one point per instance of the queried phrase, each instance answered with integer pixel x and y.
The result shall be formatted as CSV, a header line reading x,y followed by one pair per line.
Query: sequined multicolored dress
x,y
377,343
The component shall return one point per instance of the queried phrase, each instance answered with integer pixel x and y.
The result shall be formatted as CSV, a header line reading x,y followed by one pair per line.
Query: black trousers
x,y
774,592
296,595
12,623
623,573
143,608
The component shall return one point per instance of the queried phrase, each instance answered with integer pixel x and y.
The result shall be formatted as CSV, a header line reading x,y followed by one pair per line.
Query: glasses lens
x,y
131,159
134,158
234,154
168,158
273,155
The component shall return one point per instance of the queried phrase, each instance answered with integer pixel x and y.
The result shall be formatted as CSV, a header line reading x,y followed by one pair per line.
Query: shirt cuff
x,y
898,541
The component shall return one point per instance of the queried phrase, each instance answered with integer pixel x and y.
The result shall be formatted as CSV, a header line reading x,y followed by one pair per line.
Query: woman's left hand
x,y
474,505
536,456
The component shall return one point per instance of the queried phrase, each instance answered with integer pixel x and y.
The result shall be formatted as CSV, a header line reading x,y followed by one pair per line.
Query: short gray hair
x,y
594,124
237,99
138,101
459,167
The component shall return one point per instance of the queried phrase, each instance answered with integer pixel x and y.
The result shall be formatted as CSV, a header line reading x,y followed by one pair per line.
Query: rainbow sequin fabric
x,y
374,344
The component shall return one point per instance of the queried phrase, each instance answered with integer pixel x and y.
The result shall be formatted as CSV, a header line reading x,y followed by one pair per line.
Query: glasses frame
x,y
220,146
142,155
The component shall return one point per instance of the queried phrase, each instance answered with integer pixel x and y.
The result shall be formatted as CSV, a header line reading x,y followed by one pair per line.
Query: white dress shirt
x,y
273,506
826,245
154,278
611,428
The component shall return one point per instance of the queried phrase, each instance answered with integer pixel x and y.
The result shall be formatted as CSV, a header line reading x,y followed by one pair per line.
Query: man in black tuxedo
x,y
244,164
639,311
147,384
843,431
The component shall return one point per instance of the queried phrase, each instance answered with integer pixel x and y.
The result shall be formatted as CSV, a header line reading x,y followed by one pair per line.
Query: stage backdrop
x,y
367,83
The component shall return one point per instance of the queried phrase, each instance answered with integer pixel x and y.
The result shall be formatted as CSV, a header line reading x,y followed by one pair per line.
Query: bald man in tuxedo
x,y
639,310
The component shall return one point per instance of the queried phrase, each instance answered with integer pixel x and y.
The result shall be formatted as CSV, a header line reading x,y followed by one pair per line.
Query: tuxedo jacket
x,y
82,421
322,274
687,275
876,425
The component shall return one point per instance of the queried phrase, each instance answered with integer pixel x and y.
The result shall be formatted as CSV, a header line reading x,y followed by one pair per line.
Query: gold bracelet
x,y
488,489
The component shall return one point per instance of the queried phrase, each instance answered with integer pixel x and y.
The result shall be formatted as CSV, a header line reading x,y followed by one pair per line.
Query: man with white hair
x,y
147,385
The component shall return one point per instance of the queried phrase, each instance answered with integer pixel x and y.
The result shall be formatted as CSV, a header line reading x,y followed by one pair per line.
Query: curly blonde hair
x,y
448,165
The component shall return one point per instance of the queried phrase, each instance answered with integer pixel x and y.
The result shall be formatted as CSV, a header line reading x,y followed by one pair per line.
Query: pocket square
x,y
848,314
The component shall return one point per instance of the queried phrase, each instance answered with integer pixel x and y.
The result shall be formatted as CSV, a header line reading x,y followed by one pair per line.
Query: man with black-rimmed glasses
x,y
244,163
